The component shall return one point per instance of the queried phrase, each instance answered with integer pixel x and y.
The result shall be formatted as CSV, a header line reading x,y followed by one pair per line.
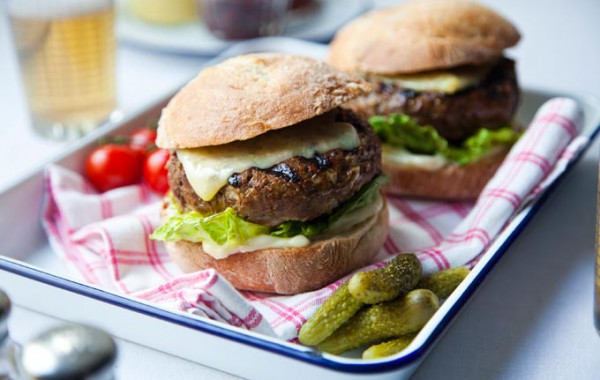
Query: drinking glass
x,y
66,51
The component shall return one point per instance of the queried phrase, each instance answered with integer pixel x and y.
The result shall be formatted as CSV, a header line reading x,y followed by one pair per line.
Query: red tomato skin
x,y
142,139
155,172
111,166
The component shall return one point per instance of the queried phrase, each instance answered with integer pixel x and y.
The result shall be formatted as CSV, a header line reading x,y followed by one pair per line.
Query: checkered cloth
x,y
104,237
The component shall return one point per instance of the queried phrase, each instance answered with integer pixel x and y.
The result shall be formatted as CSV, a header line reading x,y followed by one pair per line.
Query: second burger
x,y
272,183
444,95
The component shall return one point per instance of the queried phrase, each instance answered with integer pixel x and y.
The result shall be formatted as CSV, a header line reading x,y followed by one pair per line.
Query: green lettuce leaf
x,y
365,196
227,229
481,143
292,228
402,131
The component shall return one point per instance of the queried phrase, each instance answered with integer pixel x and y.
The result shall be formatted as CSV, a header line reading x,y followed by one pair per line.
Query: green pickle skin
x,y
401,275
388,348
336,310
376,323
444,282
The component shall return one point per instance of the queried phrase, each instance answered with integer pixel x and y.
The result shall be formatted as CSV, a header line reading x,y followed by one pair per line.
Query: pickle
x,y
400,276
336,310
388,348
404,315
444,282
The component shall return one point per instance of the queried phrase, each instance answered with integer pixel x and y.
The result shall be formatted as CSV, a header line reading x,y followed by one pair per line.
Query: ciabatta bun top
x,y
420,36
249,95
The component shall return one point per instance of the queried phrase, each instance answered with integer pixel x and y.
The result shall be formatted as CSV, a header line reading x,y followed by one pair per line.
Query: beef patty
x,y
491,104
296,189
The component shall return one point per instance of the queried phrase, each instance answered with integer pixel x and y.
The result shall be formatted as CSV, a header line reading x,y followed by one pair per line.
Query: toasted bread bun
x,y
291,270
249,95
451,182
421,35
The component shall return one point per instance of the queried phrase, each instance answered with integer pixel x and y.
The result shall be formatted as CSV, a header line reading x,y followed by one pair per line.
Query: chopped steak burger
x,y
272,183
444,96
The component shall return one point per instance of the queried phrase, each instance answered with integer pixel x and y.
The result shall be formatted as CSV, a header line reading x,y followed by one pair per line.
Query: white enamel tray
x,y
33,276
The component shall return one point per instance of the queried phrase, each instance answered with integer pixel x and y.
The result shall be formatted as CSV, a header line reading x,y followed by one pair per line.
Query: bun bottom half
x,y
291,270
451,182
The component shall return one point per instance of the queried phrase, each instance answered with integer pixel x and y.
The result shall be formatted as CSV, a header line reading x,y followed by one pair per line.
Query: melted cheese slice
x,y
447,82
208,168
404,157
254,244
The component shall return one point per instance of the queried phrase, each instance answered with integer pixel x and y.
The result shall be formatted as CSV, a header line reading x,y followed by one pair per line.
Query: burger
x,y
272,183
444,94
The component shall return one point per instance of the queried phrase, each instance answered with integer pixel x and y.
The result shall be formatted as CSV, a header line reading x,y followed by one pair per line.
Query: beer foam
x,y
53,9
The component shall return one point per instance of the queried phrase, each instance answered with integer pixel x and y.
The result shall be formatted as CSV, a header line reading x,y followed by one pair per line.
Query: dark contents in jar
x,y
243,19
296,4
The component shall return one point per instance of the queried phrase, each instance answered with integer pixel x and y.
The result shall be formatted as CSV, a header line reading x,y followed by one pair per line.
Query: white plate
x,y
195,39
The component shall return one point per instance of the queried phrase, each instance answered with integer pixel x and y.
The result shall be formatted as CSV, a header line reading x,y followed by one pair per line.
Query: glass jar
x,y
244,19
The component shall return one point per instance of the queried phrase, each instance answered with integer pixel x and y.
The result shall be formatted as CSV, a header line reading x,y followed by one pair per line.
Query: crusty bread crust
x,y
451,182
249,95
421,35
291,270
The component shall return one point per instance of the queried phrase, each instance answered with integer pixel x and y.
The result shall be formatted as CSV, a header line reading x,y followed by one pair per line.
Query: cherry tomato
x,y
142,139
110,166
155,171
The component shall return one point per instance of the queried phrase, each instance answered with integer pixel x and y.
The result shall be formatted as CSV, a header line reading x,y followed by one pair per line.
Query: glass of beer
x,y
66,51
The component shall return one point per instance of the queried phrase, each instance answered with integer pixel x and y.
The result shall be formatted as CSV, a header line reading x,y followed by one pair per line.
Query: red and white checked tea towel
x,y
104,237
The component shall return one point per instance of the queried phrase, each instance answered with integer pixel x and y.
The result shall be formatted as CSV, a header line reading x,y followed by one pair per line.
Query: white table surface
x,y
527,321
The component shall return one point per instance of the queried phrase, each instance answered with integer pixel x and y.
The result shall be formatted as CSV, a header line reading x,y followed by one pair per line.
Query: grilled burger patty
x,y
296,189
491,104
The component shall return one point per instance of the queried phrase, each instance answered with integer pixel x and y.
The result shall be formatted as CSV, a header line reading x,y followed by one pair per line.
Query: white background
x,y
530,319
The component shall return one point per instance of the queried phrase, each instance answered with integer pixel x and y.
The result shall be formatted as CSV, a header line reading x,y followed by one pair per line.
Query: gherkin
x,y
336,310
398,277
404,315
444,282
388,348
